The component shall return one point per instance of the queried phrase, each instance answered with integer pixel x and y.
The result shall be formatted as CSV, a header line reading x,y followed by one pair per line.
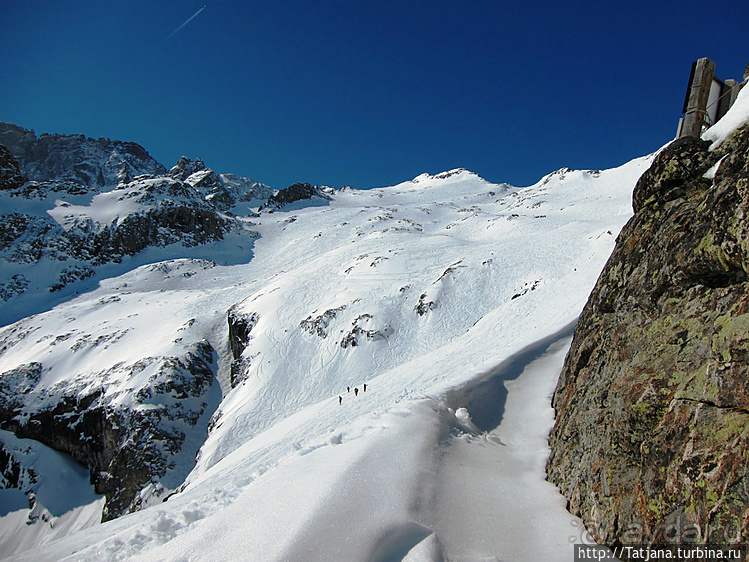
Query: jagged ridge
x,y
79,204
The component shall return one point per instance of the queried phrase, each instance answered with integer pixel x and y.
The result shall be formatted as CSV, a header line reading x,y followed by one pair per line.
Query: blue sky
x,y
366,93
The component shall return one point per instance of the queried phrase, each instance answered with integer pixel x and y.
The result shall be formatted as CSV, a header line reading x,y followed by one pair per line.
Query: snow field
x,y
438,281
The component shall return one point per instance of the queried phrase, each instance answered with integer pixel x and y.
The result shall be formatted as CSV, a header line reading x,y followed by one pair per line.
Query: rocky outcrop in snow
x,y
76,208
299,191
132,439
240,327
651,442
76,238
226,192
10,173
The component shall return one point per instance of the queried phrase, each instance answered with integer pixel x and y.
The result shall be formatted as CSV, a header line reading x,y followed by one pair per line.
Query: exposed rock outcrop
x,y
318,325
10,172
225,192
299,191
60,225
74,207
240,327
90,163
357,334
135,444
651,442
167,212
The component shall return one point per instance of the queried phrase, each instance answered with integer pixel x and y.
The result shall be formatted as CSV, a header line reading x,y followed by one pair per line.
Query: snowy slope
x,y
430,292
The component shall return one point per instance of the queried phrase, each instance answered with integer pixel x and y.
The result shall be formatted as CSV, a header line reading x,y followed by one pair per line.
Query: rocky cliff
x,y
300,191
10,173
135,440
651,442
90,163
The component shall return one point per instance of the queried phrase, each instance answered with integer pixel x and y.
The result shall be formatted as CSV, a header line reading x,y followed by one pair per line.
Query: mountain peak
x,y
456,173
90,163
186,167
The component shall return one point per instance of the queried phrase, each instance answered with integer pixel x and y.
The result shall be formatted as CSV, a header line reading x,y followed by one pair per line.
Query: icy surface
x,y
422,291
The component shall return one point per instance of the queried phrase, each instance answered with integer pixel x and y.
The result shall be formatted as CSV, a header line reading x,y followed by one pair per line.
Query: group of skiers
x,y
356,392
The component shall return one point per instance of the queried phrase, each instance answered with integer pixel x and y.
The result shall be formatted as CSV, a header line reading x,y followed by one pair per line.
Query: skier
x,y
356,392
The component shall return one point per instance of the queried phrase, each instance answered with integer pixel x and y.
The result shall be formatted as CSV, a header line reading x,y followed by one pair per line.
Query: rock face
x,y
74,208
299,191
651,442
134,443
240,328
155,211
10,174
90,163
226,192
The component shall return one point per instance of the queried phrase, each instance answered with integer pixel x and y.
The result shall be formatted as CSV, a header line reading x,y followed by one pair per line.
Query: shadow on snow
x,y
486,396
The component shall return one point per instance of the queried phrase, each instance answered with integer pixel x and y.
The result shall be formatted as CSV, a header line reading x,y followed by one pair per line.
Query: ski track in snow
x,y
398,472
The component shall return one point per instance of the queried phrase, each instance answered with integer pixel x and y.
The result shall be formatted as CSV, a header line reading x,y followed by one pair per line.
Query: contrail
x,y
188,20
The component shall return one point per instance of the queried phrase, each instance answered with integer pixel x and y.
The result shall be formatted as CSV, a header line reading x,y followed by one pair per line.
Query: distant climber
x,y
348,389
340,400
356,392
365,387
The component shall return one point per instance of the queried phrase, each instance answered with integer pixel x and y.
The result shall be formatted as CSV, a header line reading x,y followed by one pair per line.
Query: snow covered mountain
x,y
234,388
76,210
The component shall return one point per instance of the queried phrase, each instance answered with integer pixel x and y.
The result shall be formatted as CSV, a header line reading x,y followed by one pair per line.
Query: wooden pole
x,y
728,96
697,96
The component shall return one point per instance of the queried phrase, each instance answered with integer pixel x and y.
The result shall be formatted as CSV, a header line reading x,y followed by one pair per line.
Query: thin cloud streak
x,y
188,20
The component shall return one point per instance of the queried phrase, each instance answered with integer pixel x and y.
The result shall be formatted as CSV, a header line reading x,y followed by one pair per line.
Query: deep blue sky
x,y
366,93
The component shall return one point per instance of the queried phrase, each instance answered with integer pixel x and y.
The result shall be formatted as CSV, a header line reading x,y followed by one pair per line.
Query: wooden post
x,y
728,96
697,96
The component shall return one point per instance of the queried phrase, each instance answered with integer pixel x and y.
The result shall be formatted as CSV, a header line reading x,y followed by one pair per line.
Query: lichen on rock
x,y
651,442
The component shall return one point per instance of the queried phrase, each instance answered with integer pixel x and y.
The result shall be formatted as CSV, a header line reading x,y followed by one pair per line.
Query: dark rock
x,y
424,305
652,405
70,275
90,163
176,215
240,327
185,167
12,473
10,173
356,335
318,325
296,192
125,448
188,207
124,175
12,226
674,173
15,285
